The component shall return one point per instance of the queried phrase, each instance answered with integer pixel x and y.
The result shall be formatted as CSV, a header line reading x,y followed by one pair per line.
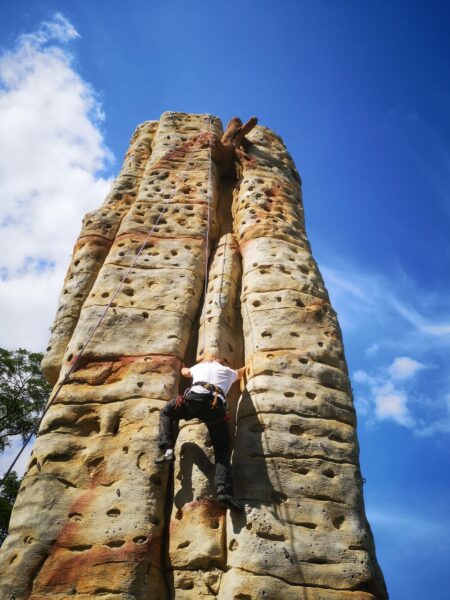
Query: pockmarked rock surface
x,y
189,255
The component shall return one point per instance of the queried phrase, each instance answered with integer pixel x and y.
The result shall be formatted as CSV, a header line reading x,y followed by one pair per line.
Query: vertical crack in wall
x,y
197,532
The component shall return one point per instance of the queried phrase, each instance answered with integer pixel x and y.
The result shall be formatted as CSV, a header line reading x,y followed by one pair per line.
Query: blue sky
x,y
360,92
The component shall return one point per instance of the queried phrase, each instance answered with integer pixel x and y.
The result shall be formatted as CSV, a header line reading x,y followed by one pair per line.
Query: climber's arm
x,y
240,373
186,372
241,377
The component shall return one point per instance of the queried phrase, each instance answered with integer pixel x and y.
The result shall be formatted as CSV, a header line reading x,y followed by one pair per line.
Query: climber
x,y
204,400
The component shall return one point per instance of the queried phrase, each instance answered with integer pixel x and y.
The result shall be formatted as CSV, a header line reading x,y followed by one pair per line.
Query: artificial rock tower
x,y
95,518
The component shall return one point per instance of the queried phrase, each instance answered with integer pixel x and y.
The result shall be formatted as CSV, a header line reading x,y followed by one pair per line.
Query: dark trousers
x,y
199,406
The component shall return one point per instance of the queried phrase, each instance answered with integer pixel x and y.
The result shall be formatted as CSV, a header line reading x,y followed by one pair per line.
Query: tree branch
x,y
227,150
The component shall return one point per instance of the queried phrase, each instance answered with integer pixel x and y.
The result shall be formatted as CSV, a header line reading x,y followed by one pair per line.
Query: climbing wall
x,y
95,518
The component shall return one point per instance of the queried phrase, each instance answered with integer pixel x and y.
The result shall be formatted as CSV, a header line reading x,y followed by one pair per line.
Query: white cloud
x,y
28,302
386,400
386,395
391,403
53,153
385,322
404,367
361,376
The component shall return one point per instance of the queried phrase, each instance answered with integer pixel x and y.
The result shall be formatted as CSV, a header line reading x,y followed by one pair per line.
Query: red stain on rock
x,y
91,373
79,507
67,566
72,562
95,372
100,476
180,152
154,363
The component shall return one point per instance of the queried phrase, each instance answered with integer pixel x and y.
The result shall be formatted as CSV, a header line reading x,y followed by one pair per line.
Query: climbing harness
x,y
210,387
215,389
77,358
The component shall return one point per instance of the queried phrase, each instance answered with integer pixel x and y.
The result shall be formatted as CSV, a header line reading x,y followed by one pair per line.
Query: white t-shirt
x,y
212,372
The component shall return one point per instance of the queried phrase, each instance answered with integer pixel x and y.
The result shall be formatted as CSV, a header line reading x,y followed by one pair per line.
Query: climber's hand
x,y
240,372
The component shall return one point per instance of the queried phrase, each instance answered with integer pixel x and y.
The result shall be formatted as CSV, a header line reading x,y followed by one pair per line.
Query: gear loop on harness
x,y
210,387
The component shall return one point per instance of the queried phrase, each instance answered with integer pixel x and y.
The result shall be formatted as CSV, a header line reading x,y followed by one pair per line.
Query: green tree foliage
x,y
23,393
8,495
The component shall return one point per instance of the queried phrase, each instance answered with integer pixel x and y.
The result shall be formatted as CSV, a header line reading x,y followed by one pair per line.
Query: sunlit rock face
x,y
95,517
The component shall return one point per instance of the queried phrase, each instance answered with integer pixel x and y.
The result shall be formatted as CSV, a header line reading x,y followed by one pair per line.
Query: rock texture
x,y
95,517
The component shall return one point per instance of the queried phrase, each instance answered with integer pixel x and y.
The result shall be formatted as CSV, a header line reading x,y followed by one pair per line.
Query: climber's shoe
x,y
167,457
229,502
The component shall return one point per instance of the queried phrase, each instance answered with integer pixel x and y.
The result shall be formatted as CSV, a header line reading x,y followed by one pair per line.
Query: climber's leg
x,y
168,429
220,440
168,425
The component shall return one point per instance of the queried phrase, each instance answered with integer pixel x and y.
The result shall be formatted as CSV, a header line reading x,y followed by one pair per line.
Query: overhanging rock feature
x,y
227,267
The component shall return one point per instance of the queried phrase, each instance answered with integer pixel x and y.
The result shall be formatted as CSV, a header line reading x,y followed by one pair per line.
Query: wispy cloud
x,y
401,530
372,349
405,336
389,401
368,299
404,367
59,28
413,525
441,425
420,323
53,156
